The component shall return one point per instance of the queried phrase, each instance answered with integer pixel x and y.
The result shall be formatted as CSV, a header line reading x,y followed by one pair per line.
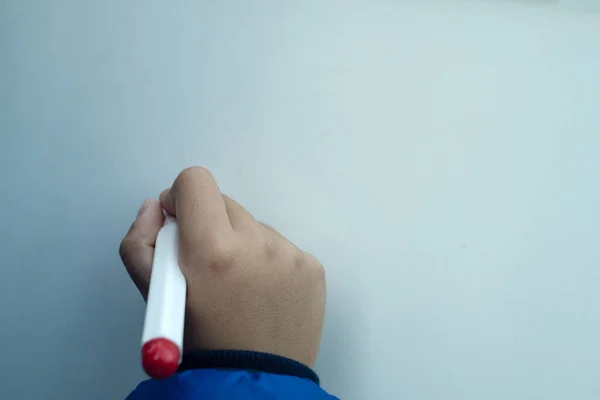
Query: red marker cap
x,y
160,358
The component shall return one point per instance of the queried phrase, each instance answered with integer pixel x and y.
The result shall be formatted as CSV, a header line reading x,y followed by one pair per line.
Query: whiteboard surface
x,y
440,159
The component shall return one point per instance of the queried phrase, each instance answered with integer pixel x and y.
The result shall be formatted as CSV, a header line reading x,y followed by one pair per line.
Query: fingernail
x,y
143,208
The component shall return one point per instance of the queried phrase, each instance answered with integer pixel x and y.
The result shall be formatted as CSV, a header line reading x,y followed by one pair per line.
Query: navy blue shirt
x,y
232,375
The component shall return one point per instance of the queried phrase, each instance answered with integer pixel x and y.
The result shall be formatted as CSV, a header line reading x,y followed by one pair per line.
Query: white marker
x,y
162,340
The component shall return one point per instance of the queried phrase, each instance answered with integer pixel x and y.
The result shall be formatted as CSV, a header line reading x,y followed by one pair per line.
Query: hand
x,y
249,288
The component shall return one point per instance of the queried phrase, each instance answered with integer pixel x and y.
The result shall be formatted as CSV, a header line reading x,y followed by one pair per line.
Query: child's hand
x,y
249,288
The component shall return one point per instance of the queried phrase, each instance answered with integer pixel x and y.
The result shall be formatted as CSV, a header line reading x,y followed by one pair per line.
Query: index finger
x,y
196,201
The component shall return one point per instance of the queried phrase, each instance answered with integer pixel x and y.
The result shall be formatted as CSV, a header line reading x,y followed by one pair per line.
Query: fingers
x,y
137,248
238,216
196,201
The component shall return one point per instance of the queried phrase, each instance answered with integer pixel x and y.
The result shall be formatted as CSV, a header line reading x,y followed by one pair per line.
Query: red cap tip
x,y
160,358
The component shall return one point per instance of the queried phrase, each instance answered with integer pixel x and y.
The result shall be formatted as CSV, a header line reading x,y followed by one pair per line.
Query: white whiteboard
x,y
441,160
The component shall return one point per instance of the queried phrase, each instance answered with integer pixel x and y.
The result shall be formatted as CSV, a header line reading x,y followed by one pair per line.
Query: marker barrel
x,y
162,339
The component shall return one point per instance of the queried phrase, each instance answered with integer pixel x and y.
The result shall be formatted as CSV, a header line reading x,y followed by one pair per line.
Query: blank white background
x,y
441,159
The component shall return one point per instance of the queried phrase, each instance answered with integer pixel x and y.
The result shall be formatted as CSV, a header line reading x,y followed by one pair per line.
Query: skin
x,y
249,288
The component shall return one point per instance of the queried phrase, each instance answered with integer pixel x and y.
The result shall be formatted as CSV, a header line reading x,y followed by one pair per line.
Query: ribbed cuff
x,y
249,360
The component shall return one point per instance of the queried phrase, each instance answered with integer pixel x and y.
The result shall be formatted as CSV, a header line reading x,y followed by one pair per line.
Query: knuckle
x,y
298,258
214,254
268,248
315,266
221,254
222,257
314,262
125,249
269,251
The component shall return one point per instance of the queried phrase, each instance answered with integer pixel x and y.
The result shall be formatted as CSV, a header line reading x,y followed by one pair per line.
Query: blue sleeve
x,y
222,384
232,375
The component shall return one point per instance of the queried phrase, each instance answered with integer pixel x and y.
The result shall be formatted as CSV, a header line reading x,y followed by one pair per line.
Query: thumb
x,y
137,247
